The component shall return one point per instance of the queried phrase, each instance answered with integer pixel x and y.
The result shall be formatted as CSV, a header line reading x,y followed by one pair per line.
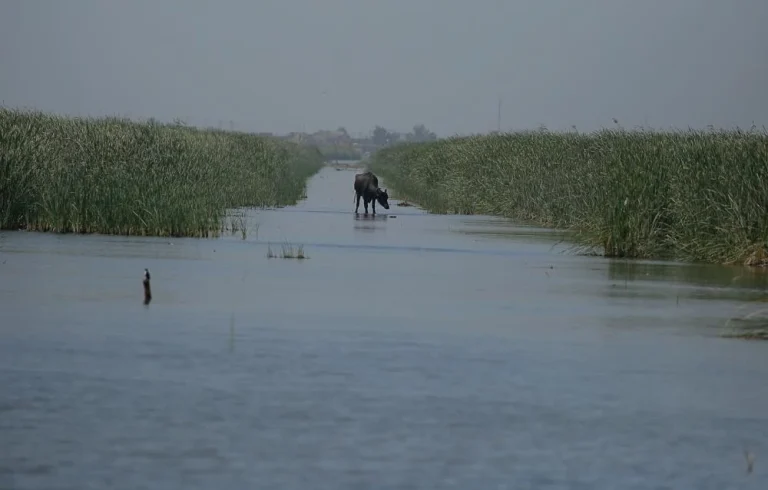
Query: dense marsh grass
x,y
687,195
115,176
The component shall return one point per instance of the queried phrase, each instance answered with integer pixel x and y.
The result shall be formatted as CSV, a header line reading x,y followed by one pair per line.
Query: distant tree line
x,y
383,137
331,152
340,145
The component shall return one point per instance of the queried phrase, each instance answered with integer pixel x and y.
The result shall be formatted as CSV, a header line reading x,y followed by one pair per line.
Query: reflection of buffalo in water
x,y
369,223
367,187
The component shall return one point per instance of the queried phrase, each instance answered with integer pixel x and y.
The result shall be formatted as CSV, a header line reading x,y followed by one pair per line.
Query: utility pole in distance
x,y
498,117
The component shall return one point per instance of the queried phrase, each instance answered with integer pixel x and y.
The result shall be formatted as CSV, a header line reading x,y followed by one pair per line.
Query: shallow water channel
x,y
408,351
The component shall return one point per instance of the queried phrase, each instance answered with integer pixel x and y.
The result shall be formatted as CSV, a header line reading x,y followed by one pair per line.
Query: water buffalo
x,y
367,186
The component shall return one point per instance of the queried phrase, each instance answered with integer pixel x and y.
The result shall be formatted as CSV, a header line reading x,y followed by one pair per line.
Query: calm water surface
x,y
408,351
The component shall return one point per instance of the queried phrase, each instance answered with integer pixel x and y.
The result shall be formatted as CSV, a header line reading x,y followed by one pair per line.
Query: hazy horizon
x,y
281,66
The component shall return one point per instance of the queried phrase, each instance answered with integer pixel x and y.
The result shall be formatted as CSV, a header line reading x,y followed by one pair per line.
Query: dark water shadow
x,y
712,275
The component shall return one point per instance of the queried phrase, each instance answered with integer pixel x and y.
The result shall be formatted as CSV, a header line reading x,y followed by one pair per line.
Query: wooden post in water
x,y
147,289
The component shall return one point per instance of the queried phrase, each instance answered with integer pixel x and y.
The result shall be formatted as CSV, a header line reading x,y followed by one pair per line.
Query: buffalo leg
x,y
373,206
357,203
365,204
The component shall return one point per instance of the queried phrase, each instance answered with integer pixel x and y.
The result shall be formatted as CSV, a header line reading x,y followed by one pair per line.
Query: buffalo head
x,y
382,198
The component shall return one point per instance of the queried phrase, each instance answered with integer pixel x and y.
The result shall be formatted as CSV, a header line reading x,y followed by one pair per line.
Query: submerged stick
x,y
147,289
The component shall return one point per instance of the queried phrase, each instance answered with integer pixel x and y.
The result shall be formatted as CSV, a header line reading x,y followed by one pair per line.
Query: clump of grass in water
x,y
239,223
287,251
115,176
687,195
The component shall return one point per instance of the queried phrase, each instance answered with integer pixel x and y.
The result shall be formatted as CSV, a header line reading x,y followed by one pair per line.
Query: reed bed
x,y
686,195
114,176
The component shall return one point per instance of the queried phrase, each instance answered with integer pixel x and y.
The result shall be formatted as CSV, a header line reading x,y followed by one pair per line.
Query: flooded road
x,y
407,351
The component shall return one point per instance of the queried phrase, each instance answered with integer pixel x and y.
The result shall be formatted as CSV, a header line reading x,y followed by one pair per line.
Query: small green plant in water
x,y
287,251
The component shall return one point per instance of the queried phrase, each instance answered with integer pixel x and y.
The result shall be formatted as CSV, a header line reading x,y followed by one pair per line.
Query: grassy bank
x,y
694,195
114,176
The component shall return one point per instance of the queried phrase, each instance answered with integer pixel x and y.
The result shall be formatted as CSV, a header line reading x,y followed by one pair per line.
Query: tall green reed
x,y
115,176
688,195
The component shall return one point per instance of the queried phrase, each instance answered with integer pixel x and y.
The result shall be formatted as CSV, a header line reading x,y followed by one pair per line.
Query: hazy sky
x,y
292,65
